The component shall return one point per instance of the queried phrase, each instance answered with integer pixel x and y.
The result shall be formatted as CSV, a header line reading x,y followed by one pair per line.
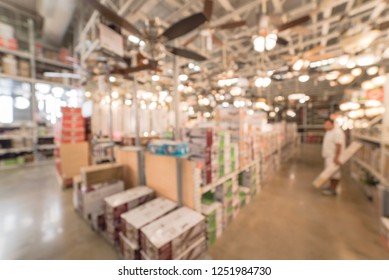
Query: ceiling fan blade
x,y
282,41
383,25
115,18
191,39
184,26
231,24
216,40
186,53
208,8
152,65
293,23
313,51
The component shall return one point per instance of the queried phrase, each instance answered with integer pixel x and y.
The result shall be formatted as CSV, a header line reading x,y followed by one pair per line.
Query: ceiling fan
x,y
154,36
209,30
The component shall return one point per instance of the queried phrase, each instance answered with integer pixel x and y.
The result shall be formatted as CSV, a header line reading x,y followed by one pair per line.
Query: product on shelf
x,y
172,235
244,196
129,249
168,147
9,65
134,220
7,37
72,125
213,212
89,200
228,194
121,202
24,68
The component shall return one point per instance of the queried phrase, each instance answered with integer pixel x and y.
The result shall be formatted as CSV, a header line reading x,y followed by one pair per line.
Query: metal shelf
x,y
15,150
31,80
47,146
367,138
21,54
54,62
5,137
374,172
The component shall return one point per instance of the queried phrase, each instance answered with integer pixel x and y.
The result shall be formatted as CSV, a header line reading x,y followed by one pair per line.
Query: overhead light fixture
x,y
183,77
290,113
87,94
300,64
296,96
261,105
371,71
279,98
333,75
57,91
239,103
196,68
356,114
350,64
367,85
112,79
133,39
207,114
115,94
180,87
372,103
262,43
155,78
373,112
366,59
21,103
342,60
43,88
345,79
379,80
347,106
225,104
356,72
62,75
272,114
236,91
128,102
303,78
169,99
262,82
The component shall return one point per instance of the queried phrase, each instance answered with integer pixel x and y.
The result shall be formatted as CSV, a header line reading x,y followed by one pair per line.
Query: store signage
x,y
111,40
375,94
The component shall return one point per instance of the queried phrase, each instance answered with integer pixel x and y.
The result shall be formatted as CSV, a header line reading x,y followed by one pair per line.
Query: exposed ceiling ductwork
x,y
57,16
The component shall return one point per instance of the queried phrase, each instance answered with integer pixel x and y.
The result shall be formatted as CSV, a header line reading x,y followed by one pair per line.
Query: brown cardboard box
x,y
134,220
168,237
73,157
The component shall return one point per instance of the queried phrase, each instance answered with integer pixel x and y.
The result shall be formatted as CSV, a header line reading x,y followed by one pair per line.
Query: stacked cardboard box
x,y
73,126
228,194
9,65
244,196
249,179
213,212
201,149
121,202
174,236
134,220
89,200
24,68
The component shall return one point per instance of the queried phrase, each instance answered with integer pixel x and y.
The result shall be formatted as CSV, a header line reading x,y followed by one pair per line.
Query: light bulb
x,y
371,71
303,78
155,78
356,72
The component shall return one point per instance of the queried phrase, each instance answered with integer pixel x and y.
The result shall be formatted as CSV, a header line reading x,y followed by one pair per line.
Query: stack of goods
x,y
133,221
7,37
9,65
202,150
119,203
176,236
168,147
224,153
250,179
24,68
213,212
234,120
73,127
89,201
244,196
370,154
228,194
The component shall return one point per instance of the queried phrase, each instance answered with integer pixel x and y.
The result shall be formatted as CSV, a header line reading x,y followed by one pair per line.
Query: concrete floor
x,y
287,220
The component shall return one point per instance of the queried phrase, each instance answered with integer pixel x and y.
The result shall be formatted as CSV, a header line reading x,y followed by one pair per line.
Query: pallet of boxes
x,y
73,151
134,221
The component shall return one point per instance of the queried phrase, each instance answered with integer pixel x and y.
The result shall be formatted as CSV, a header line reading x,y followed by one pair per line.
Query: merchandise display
x,y
177,128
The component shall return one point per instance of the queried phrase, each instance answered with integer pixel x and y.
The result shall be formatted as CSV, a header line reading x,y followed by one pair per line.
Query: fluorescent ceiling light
x,y
183,77
155,78
112,79
356,72
366,85
379,80
296,96
371,71
303,78
21,103
373,103
332,75
345,79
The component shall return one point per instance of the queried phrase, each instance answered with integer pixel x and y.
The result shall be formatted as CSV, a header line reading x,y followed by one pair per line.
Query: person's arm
x,y
337,153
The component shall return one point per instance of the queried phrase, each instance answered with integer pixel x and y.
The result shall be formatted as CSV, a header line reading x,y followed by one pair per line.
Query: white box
x,y
134,220
169,236
129,250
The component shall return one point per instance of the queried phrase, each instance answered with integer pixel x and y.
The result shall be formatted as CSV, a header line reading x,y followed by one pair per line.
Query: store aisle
x,y
287,220
292,220
37,220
